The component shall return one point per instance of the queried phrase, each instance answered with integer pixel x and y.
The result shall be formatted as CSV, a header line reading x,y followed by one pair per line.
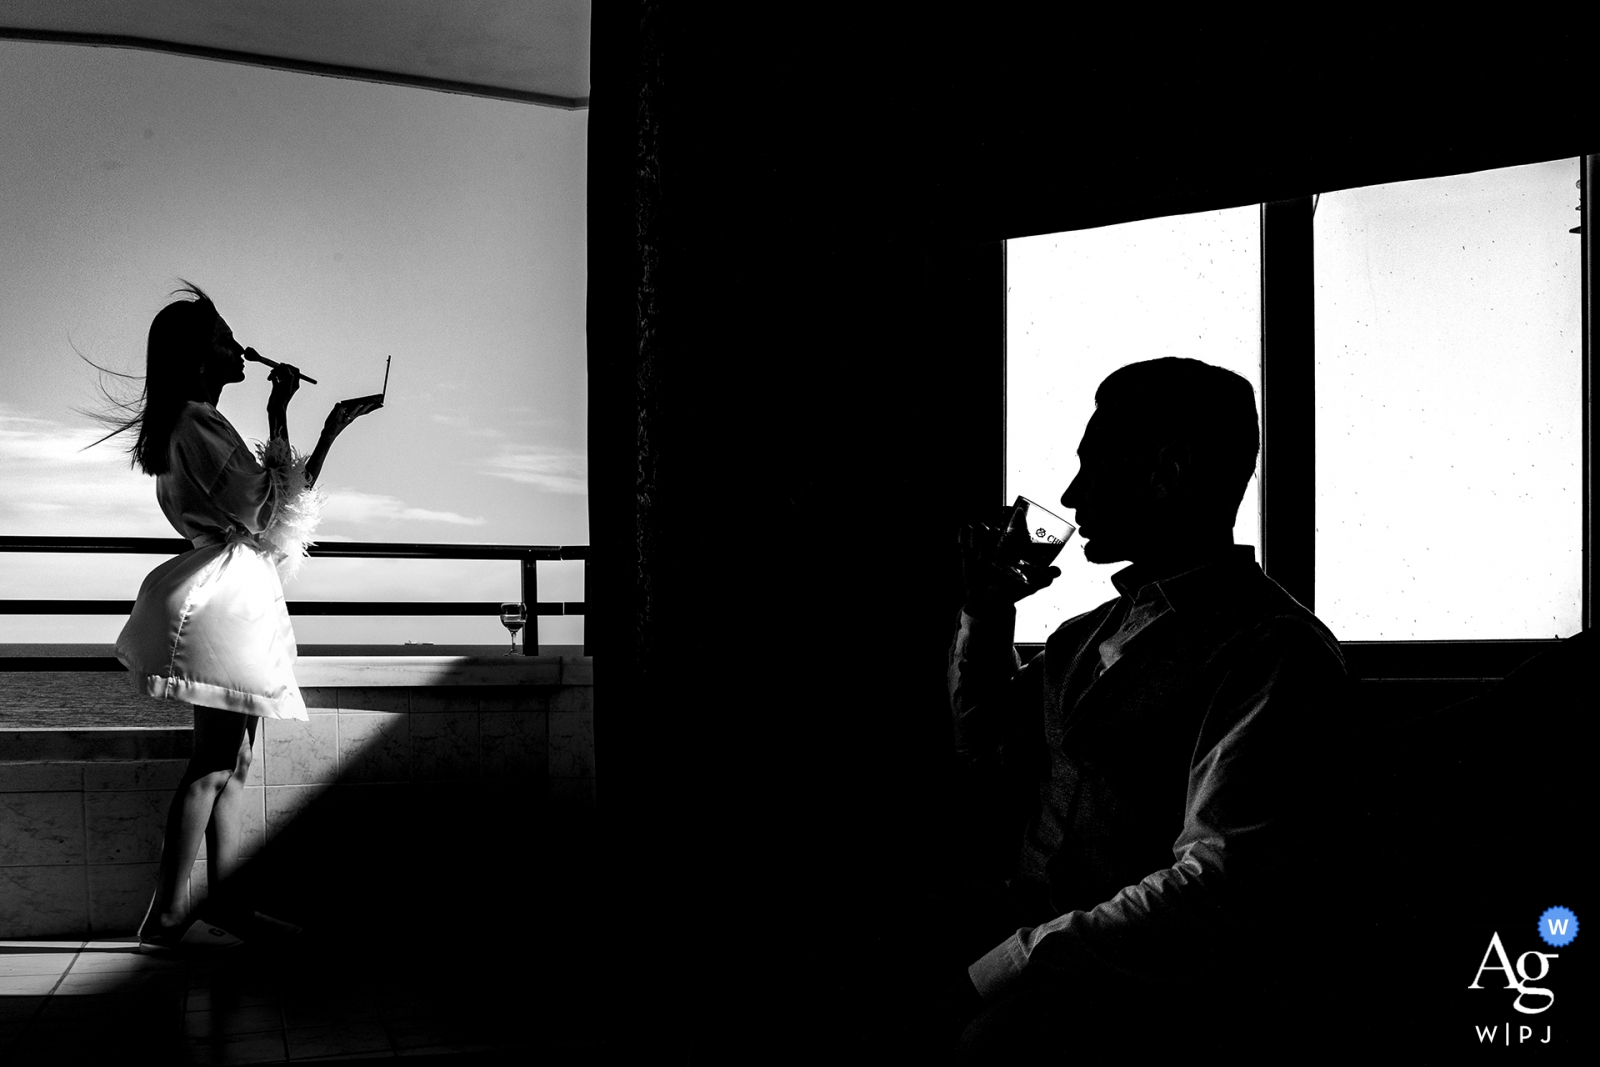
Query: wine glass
x,y
513,617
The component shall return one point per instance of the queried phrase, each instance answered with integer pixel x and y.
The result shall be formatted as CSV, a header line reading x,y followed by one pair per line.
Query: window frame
x,y
1425,669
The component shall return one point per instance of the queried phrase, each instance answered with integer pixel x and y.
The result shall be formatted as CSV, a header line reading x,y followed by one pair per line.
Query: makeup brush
x,y
256,357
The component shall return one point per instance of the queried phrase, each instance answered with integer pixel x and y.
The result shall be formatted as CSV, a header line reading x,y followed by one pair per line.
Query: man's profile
x,y
1153,763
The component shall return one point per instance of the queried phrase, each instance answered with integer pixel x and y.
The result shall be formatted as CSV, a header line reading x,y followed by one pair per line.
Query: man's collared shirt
x,y
1163,736
1146,604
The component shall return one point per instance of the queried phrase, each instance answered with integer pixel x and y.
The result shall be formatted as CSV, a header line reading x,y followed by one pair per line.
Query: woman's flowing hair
x,y
181,337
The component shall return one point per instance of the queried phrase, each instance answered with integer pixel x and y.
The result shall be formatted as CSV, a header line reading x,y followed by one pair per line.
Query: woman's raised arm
x,y
285,380
339,419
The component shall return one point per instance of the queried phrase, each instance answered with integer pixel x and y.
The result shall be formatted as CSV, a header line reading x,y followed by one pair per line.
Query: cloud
x,y
554,470
350,506
53,487
467,426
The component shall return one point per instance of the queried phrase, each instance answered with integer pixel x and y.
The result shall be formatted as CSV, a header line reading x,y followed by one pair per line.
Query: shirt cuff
x,y
999,968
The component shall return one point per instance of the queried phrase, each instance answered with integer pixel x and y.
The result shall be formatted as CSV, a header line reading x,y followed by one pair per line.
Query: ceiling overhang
x,y
532,51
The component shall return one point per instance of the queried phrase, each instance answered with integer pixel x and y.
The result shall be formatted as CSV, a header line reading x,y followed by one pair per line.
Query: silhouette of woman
x,y
210,626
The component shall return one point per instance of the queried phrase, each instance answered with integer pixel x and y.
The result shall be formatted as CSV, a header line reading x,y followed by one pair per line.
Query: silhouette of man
x,y
1158,753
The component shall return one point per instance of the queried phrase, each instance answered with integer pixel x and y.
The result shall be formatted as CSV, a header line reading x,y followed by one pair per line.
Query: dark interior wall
x,y
785,424
795,372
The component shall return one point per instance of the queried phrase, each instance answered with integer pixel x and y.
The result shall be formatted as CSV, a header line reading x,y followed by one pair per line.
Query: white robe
x,y
210,626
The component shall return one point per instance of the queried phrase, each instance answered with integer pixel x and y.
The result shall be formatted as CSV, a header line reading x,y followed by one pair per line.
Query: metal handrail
x,y
306,607
527,555
368,549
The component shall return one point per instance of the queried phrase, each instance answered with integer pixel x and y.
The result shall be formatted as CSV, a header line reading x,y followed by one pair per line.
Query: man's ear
x,y
1172,461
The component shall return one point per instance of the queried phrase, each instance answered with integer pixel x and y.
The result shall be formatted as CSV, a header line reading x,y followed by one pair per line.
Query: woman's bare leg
x,y
225,832
217,737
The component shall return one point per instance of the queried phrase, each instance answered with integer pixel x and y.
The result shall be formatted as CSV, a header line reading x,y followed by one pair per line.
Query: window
x,y
1081,304
1449,407
1448,455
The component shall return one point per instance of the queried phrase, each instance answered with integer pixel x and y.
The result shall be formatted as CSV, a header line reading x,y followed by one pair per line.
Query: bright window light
x,y
1449,411
1081,304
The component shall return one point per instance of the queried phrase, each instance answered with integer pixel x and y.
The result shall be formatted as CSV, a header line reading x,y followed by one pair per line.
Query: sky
x,y
1448,385
334,223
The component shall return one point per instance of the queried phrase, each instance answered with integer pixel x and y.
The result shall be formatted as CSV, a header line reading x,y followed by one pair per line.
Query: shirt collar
x,y
1193,585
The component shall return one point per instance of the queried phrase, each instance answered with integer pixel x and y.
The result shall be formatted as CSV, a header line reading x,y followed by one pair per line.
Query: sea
x,y
76,699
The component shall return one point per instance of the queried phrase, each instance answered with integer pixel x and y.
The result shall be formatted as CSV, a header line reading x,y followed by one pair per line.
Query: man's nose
x,y
1070,494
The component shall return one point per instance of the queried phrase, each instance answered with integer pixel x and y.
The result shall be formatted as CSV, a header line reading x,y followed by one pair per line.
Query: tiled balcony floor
x,y
64,1001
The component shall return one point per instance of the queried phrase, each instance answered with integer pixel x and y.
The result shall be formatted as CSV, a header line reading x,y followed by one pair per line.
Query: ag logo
x,y
1557,928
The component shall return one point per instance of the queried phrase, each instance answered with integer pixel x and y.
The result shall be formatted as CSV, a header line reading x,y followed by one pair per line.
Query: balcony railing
x,y
527,556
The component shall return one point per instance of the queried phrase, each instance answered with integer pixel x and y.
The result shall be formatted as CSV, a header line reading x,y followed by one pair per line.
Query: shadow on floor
x,y
68,1001
459,925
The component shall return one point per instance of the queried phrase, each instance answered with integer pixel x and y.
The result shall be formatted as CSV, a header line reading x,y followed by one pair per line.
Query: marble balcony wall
x,y
82,812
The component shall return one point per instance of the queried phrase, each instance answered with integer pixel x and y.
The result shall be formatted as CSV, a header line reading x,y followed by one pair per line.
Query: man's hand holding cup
x,y
996,565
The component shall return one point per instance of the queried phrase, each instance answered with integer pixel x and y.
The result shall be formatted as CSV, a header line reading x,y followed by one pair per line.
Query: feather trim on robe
x,y
296,506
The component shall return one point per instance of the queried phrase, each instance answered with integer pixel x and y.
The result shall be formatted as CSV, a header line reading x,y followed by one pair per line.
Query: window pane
x,y
1449,419
1081,304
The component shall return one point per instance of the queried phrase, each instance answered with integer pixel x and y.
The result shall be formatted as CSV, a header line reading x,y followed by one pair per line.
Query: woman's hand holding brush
x,y
256,357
